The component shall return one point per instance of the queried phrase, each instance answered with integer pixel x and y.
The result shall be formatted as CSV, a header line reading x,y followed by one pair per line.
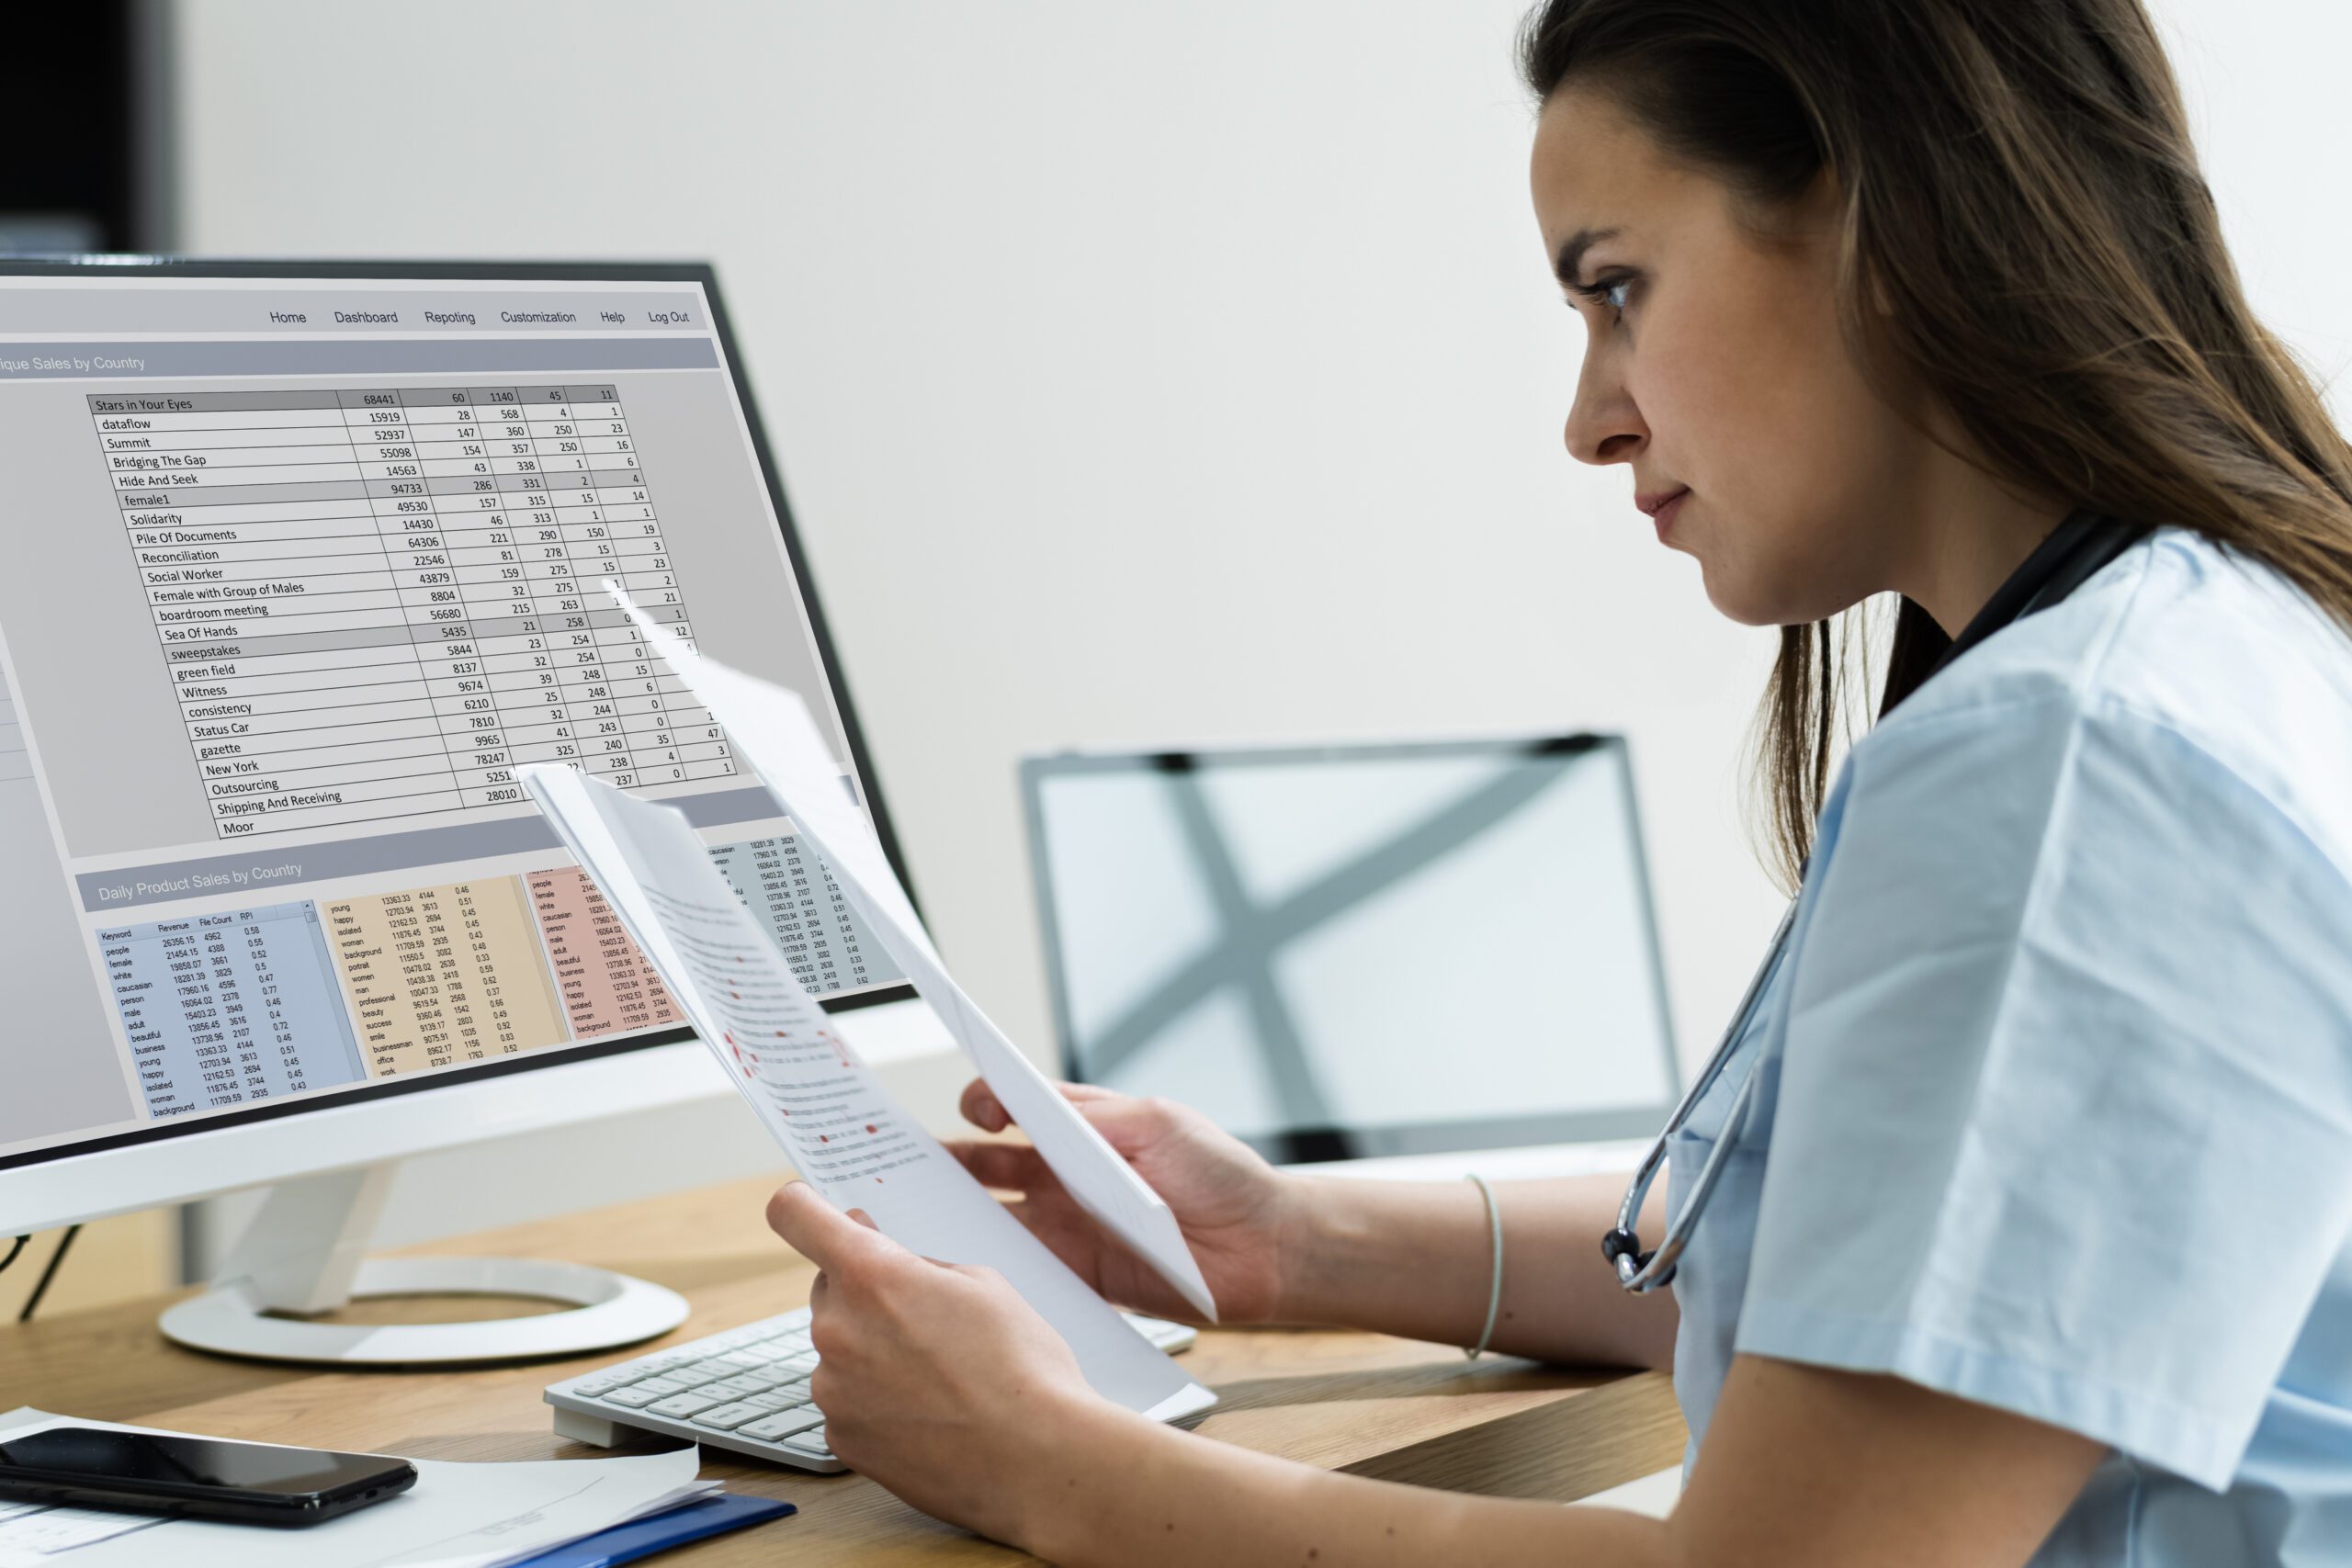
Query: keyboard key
x,y
779,1401
717,1367
804,1362
743,1360
635,1398
661,1386
689,1377
734,1388
684,1404
727,1418
811,1441
775,1428
604,1382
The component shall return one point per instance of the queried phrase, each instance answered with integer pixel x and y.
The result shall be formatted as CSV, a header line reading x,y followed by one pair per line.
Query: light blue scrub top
x,y
2055,1103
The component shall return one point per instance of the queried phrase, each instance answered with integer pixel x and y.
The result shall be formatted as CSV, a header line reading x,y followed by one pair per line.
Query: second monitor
x,y
1371,949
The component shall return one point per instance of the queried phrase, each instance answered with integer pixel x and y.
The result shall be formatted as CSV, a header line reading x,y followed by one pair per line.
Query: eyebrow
x,y
1570,261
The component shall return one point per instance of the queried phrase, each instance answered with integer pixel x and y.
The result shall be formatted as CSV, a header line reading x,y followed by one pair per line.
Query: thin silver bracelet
x,y
1495,1291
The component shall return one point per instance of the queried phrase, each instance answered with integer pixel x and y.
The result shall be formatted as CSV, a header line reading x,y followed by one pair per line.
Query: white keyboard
x,y
746,1389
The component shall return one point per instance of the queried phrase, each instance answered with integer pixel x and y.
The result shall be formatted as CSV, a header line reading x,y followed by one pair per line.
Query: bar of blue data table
x,y
226,1009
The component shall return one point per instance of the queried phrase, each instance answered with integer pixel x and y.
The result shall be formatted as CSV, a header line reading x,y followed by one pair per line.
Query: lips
x,y
1662,505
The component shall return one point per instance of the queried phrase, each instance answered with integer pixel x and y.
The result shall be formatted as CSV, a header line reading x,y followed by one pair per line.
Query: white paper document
x,y
843,1130
773,731
456,1515
34,1532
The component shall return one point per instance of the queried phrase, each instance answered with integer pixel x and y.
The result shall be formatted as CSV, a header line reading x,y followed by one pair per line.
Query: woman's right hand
x,y
1236,1210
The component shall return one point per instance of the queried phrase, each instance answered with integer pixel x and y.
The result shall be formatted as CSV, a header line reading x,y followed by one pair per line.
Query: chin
x,y
1768,590
1736,600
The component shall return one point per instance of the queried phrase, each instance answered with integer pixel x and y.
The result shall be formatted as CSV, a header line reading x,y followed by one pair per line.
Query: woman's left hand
x,y
936,1379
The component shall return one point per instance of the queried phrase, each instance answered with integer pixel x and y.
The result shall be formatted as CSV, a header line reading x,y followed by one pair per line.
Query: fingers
x,y
983,1110
1007,1168
1128,1125
981,1107
812,1227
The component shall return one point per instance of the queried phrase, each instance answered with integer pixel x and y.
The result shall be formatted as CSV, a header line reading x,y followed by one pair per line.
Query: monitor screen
x,y
302,564
1360,950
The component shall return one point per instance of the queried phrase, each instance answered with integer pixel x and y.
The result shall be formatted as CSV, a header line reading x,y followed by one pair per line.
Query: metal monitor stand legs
x,y
302,1256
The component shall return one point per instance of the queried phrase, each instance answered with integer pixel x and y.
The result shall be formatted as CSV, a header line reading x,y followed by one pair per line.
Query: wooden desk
x,y
1358,1401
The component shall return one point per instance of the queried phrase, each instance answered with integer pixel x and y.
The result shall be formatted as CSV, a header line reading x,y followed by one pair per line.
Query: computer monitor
x,y
1339,952
302,564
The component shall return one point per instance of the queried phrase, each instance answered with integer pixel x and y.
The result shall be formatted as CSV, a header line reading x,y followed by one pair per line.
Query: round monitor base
x,y
608,1310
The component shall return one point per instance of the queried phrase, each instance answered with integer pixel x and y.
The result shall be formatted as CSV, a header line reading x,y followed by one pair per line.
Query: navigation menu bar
x,y
97,308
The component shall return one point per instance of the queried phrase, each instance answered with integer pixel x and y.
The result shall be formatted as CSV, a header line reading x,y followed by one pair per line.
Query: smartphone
x,y
153,1473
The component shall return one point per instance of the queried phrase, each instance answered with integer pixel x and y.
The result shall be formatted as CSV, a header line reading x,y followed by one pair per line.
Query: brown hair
x,y
2020,185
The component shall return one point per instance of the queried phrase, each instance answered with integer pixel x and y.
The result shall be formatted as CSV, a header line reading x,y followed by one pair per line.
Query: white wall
x,y
1140,372
2265,85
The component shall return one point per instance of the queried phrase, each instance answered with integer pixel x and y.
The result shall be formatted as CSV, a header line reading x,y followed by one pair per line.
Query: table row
x,y
362,514
613,672
157,405
328,431
367,585
446,477
573,630
211,625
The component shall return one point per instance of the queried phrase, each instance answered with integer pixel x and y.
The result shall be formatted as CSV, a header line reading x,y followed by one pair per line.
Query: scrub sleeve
x,y
2064,1117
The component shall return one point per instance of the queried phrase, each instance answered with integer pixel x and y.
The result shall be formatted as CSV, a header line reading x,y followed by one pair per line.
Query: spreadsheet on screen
x,y
306,568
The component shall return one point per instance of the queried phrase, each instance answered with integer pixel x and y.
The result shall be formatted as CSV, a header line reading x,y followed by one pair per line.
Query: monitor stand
x,y
302,1256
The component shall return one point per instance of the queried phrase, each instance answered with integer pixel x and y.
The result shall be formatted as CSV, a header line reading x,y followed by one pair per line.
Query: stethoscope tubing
x,y
1640,1272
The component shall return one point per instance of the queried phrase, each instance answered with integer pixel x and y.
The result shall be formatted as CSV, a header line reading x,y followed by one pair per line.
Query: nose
x,y
1604,424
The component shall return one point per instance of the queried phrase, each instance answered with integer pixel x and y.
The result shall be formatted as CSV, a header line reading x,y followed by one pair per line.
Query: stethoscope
x,y
2074,551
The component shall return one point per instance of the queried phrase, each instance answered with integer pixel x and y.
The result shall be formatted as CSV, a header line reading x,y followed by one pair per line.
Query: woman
x,y
2028,1241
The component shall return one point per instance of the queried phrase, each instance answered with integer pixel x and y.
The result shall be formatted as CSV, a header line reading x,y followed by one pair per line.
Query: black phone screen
x,y
153,1459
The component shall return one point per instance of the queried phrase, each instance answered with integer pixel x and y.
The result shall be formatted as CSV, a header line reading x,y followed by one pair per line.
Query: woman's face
x,y
1715,369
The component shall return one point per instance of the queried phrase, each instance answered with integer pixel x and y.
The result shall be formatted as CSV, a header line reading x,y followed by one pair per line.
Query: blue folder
x,y
659,1532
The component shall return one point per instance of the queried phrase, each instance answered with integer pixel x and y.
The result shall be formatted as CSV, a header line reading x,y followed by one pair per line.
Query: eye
x,y
1612,292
